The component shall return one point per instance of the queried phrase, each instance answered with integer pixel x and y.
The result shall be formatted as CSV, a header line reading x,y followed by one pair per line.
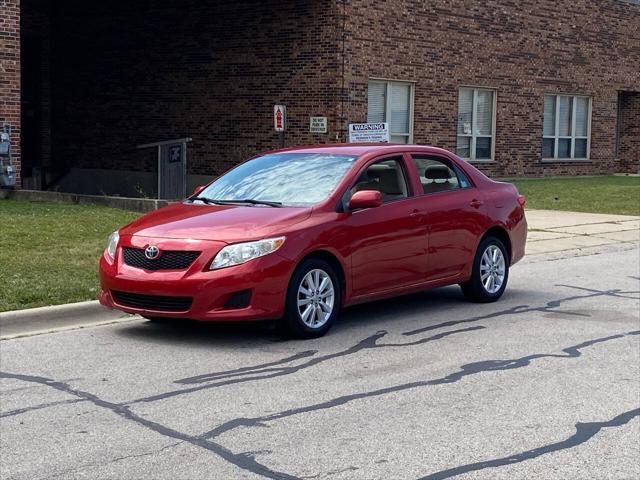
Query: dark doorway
x,y
31,124
628,138
35,74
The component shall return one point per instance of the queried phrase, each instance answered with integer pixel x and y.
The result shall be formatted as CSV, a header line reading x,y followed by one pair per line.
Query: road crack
x,y
584,432
474,368
241,460
20,411
64,473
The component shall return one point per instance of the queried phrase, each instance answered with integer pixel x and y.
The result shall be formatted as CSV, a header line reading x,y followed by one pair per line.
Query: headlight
x,y
112,244
243,252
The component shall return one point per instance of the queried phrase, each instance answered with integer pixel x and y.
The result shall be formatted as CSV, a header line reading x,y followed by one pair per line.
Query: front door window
x,y
386,177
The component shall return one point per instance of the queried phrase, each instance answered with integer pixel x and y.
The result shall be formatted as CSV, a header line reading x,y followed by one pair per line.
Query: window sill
x,y
565,160
480,161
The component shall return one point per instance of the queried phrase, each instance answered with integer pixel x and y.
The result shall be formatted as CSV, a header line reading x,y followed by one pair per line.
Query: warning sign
x,y
368,132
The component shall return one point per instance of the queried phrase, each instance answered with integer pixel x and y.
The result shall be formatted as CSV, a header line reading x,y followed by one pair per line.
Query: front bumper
x,y
266,278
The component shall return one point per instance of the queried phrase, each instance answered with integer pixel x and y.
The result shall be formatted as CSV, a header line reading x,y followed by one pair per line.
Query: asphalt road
x,y
543,384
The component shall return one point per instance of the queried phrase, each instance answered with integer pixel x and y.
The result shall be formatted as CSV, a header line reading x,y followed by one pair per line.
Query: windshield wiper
x,y
250,201
208,201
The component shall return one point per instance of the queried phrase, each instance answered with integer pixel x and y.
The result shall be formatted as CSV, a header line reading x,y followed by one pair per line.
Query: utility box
x,y
7,174
5,143
172,167
172,182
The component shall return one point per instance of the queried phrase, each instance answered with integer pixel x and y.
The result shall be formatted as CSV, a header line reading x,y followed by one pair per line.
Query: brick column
x,y
629,132
10,75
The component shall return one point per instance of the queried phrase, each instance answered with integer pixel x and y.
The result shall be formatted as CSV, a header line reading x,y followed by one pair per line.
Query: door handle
x,y
475,203
416,215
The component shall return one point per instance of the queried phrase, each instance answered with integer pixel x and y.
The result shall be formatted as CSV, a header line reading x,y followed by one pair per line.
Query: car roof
x,y
360,149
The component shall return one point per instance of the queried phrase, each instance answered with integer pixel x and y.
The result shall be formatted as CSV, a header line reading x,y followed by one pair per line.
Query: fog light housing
x,y
241,299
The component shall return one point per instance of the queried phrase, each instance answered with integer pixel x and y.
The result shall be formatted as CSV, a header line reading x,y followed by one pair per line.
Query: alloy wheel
x,y
315,298
492,269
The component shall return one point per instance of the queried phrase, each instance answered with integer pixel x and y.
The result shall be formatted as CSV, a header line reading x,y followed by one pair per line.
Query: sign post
x,y
368,132
280,122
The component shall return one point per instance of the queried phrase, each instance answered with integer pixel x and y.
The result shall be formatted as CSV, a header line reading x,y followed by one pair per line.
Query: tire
x,y
488,290
302,320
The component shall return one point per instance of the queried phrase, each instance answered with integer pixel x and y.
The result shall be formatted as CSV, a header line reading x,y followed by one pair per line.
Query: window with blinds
x,y
566,125
476,123
391,102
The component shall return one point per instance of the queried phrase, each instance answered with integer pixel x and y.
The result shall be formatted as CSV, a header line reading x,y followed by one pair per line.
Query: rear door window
x,y
438,175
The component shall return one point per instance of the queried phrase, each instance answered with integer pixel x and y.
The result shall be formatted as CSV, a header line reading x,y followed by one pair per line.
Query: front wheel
x,y
313,300
490,272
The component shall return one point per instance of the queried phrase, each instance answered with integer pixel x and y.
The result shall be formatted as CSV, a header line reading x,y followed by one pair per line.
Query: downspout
x,y
342,90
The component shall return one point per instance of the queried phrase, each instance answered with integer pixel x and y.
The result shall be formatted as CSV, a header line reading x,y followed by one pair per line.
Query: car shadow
x,y
397,308
379,315
178,331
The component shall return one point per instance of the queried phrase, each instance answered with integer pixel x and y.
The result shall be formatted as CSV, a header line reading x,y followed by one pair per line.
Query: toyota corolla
x,y
295,235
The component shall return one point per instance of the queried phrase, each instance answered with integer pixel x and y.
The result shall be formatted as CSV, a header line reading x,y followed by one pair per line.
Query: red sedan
x,y
296,234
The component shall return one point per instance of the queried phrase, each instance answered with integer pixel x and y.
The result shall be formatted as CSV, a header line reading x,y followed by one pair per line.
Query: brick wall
x,y
523,49
124,73
629,132
10,74
155,70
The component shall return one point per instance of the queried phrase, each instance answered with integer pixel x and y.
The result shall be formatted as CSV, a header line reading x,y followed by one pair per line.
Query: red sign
x,y
279,117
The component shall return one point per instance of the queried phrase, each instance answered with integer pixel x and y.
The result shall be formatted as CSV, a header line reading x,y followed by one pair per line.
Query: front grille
x,y
152,302
168,259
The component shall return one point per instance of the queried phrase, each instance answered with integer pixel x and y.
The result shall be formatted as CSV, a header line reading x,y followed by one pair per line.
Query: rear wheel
x,y
490,272
313,300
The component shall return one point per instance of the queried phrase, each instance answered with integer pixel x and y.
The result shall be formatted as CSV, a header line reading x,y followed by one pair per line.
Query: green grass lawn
x,y
610,194
49,252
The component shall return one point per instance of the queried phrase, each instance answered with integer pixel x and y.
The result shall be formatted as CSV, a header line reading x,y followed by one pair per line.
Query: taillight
x,y
521,200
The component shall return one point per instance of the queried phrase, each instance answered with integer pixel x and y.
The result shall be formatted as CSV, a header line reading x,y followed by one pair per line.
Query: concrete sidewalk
x,y
555,231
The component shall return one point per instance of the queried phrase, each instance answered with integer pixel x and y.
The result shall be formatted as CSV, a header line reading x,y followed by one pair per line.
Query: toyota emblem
x,y
151,252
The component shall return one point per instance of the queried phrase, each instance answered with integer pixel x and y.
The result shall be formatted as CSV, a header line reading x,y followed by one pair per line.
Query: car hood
x,y
226,223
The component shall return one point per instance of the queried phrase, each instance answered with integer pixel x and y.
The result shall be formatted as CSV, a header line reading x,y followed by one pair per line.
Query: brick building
x,y
523,88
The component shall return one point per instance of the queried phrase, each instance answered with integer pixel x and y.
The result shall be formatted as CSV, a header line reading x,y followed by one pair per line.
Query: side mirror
x,y
365,199
197,190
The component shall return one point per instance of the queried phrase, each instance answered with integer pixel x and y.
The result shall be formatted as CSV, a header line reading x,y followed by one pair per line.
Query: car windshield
x,y
292,179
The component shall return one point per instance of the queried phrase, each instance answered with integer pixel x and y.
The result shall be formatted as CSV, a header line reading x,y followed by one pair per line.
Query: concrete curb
x,y
45,319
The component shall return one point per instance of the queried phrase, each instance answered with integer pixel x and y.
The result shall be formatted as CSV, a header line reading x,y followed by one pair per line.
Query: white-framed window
x,y
566,127
476,129
392,102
